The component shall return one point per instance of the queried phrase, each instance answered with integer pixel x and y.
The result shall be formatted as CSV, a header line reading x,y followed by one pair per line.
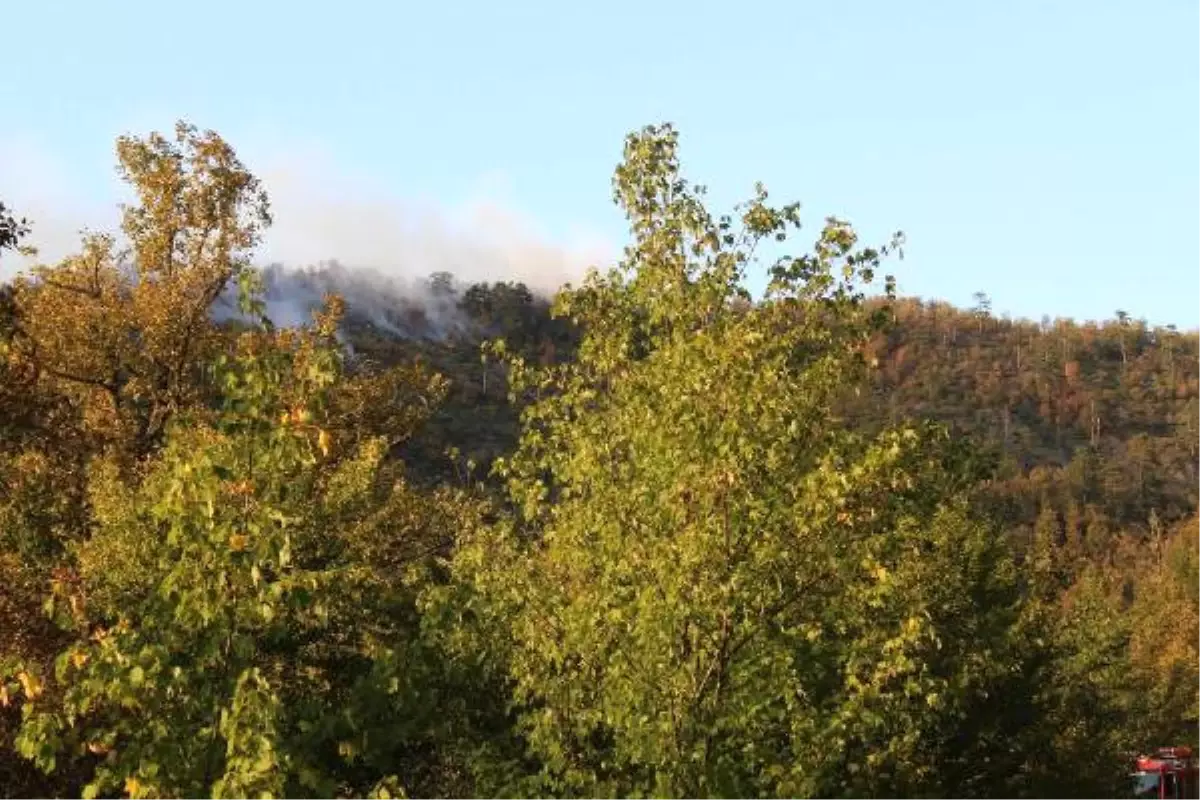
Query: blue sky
x,y
1047,153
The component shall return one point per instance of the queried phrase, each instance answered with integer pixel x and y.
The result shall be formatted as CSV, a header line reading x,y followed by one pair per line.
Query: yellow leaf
x,y
31,685
132,785
237,542
79,658
323,442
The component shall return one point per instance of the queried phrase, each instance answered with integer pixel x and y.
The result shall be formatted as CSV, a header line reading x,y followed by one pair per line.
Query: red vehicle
x,y
1170,772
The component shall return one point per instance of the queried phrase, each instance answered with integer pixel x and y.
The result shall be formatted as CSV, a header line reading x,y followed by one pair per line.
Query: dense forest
x,y
267,532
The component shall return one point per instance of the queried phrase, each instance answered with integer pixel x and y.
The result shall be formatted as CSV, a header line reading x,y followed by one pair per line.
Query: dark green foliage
x,y
12,229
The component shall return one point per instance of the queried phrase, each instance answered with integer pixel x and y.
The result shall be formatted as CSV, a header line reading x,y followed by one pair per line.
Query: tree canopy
x,y
653,538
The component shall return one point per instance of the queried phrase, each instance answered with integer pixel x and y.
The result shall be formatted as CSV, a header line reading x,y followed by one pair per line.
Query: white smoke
x,y
408,308
387,244
320,216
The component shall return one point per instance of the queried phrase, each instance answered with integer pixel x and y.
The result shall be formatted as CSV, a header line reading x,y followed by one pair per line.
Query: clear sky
x,y
1047,153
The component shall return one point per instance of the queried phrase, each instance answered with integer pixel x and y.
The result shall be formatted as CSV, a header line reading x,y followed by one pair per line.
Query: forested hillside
x,y
650,537
1094,422
1093,425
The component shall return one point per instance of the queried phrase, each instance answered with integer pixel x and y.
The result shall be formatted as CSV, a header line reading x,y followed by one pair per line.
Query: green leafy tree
x,y
713,586
248,591
1085,700
244,616
98,352
1165,616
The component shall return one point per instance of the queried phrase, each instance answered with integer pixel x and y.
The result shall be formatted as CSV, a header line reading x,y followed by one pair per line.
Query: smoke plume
x,y
374,246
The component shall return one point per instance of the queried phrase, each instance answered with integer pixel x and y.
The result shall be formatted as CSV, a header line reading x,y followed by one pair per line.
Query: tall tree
x,y
120,330
243,620
712,586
